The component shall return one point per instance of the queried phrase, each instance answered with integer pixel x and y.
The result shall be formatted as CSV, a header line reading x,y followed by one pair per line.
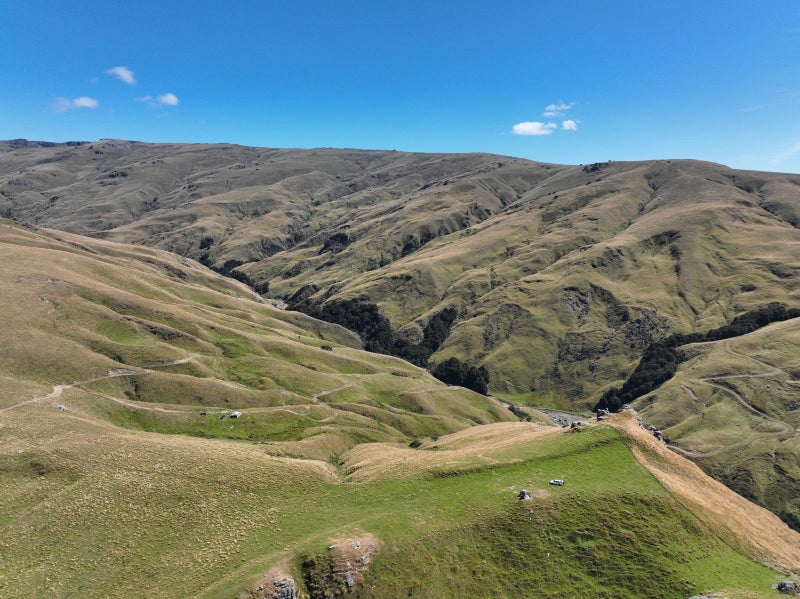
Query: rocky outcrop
x,y
788,587
338,573
283,589
276,584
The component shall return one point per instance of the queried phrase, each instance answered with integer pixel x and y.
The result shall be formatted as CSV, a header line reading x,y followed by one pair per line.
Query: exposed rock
x,y
646,328
276,584
577,301
284,589
339,572
788,587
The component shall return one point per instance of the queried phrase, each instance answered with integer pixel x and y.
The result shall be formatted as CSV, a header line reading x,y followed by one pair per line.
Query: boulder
x,y
284,589
787,586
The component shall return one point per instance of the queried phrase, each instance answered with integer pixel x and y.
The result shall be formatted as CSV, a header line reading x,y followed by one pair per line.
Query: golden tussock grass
x,y
735,519
491,444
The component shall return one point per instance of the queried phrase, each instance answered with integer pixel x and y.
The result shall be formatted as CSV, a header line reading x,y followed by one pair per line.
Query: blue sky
x,y
566,82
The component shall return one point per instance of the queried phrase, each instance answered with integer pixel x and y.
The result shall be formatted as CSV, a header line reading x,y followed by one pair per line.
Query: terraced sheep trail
x,y
59,389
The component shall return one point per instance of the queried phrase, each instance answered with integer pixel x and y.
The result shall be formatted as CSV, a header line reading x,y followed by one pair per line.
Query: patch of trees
x,y
657,366
661,359
363,318
791,519
434,334
335,243
455,372
376,332
229,270
412,243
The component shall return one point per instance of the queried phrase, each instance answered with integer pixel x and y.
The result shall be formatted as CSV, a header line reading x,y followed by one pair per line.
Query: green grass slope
x,y
118,477
733,407
94,510
139,327
560,276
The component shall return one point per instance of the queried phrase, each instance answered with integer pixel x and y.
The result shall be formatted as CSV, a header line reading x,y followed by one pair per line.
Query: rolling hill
x,y
150,327
589,263
554,279
125,472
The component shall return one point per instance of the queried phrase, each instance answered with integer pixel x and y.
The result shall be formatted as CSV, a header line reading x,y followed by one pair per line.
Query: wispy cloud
x,y
533,128
785,156
124,74
552,111
569,125
168,99
64,104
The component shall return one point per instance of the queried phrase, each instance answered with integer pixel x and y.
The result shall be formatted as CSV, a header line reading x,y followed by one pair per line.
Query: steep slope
x,y
137,327
118,477
554,279
589,263
733,408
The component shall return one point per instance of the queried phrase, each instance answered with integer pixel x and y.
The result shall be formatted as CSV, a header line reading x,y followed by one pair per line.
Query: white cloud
x,y
534,128
168,99
569,125
85,102
124,74
64,104
554,110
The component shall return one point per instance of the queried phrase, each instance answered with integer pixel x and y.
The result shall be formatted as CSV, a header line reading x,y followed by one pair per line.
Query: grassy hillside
x,y
94,510
560,275
559,278
118,477
140,327
733,408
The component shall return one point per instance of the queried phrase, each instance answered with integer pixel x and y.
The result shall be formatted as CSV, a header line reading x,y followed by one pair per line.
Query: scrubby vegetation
x,y
454,372
376,331
661,360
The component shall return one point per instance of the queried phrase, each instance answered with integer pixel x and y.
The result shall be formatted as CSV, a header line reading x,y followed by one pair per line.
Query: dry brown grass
x,y
488,445
772,542
76,308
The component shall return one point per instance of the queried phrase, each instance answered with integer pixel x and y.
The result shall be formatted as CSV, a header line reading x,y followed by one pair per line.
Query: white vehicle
x,y
557,482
